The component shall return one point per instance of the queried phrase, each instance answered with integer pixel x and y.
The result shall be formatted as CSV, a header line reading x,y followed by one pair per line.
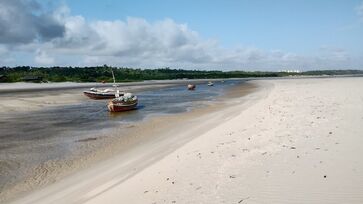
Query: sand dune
x,y
293,141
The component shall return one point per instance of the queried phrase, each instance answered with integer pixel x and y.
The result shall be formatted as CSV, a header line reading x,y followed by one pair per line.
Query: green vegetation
x,y
103,73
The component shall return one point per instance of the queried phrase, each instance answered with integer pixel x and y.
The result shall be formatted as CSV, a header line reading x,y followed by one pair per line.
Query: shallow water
x,y
93,114
34,137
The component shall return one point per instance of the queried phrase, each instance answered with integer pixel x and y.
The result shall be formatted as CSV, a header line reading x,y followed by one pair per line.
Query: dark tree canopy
x,y
122,74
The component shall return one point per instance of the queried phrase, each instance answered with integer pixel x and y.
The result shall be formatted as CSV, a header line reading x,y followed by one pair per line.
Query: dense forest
x,y
103,74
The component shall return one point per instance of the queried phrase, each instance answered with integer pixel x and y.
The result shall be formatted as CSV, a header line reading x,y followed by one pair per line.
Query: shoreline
x,y
33,99
112,143
299,144
292,141
23,87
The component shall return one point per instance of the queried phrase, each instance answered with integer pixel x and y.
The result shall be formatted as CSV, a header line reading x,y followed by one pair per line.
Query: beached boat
x,y
191,86
109,93
210,83
126,102
94,93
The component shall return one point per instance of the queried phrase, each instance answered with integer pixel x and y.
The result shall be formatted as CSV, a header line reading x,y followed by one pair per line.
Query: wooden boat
x,y
191,87
110,93
100,94
123,103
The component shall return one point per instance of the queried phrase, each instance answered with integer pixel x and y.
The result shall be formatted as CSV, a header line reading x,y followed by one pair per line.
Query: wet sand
x,y
22,97
54,86
16,99
96,147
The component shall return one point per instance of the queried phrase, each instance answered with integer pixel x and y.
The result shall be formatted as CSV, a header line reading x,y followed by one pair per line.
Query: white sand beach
x,y
292,141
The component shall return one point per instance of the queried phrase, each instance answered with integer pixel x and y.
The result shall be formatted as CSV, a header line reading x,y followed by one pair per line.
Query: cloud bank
x,y
57,37
19,24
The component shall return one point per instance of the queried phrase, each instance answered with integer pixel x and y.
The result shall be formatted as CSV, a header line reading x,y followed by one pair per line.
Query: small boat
x,y
94,93
126,102
210,83
109,93
191,87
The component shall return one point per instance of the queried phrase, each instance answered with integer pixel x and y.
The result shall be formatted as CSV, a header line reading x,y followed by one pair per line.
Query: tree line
x,y
124,74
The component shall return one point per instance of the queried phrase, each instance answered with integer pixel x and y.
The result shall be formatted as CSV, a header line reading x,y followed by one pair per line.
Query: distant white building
x,y
290,71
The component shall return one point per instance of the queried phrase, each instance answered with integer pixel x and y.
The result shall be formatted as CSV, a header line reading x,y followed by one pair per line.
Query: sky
x,y
189,34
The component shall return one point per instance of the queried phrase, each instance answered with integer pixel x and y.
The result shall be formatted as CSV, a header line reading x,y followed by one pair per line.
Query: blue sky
x,y
296,25
259,34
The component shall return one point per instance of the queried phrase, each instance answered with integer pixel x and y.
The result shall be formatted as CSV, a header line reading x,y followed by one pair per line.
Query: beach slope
x,y
299,142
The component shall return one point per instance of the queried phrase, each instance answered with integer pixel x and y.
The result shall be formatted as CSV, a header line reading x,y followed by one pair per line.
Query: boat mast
x,y
117,94
113,76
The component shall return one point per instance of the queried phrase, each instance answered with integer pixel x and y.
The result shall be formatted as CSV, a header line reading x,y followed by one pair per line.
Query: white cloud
x,y
42,58
336,53
136,42
5,57
20,24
